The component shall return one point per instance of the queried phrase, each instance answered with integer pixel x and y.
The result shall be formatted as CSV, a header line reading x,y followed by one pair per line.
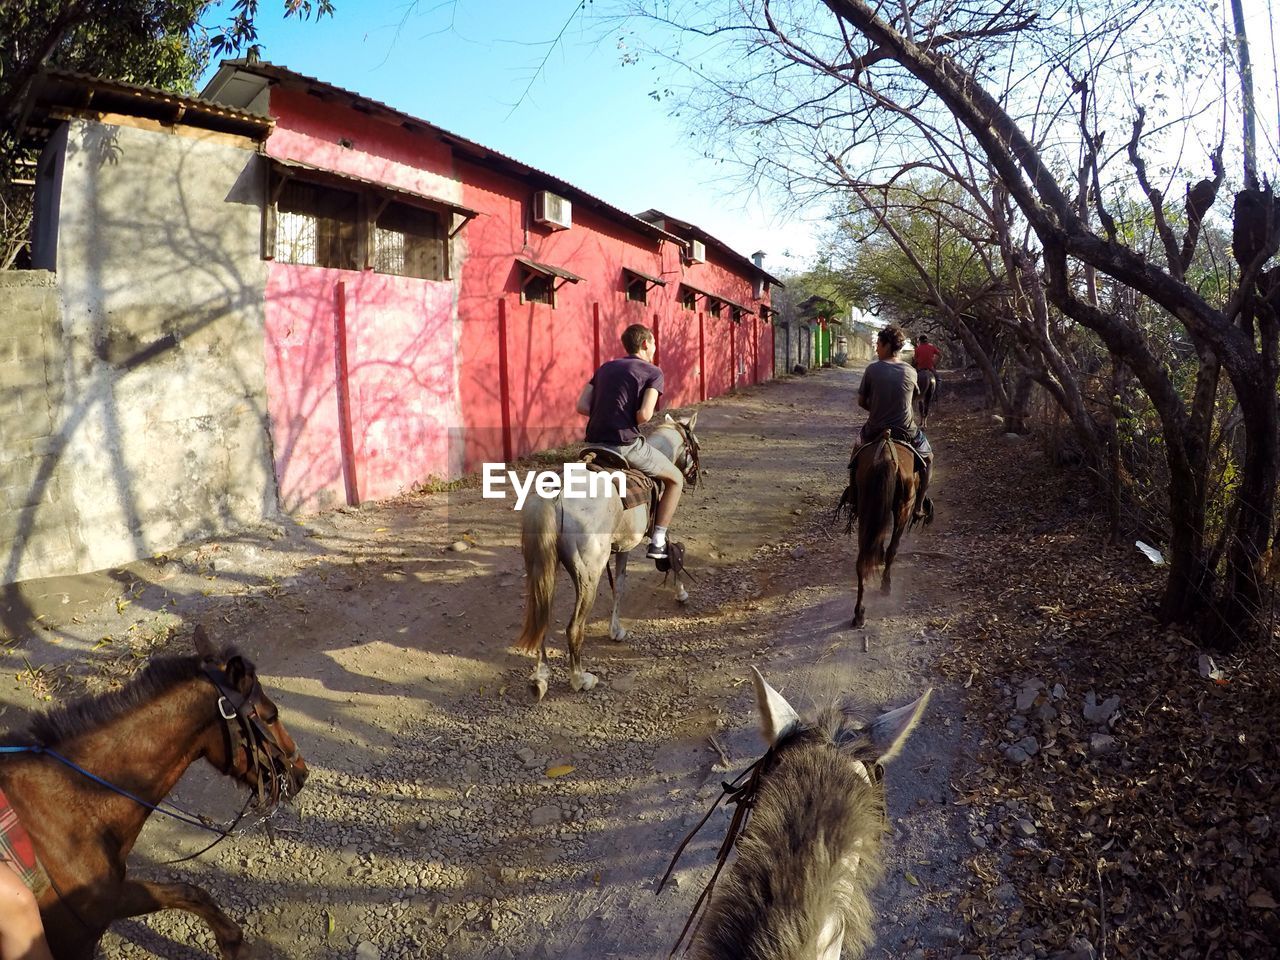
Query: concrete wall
x,y
154,377
38,529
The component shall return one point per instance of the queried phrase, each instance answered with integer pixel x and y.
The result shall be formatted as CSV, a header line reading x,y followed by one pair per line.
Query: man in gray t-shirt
x,y
888,393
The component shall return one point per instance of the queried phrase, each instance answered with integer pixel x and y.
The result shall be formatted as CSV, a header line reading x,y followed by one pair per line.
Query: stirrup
x,y
657,552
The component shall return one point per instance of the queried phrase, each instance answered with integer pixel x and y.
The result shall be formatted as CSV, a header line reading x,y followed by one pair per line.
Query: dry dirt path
x,y
428,827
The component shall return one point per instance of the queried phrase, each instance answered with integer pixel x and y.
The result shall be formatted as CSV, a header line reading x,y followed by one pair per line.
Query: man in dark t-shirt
x,y
888,393
621,396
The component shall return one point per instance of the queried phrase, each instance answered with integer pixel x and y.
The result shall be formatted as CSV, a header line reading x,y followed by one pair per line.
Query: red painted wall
x,y
399,330
422,364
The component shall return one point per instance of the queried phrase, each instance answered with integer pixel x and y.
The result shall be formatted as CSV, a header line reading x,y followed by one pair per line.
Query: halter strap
x,y
743,795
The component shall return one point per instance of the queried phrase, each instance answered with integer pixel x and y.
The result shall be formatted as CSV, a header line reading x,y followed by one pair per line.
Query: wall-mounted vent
x,y
697,252
552,211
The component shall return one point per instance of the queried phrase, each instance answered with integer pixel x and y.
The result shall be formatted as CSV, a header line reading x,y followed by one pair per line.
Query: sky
x,y
475,68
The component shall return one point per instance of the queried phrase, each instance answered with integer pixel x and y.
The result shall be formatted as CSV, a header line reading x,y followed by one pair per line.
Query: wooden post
x,y
702,361
504,387
595,356
346,439
657,342
733,354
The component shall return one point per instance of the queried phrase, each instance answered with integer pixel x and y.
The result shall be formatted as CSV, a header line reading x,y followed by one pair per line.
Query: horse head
x,y
687,459
255,747
808,827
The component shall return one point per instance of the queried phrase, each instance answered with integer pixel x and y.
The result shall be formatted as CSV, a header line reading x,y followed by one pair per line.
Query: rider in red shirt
x,y
926,354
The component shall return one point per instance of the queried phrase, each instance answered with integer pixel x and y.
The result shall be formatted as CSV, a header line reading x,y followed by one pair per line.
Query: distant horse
x,y
582,534
809,852
928,381
883,473
140,739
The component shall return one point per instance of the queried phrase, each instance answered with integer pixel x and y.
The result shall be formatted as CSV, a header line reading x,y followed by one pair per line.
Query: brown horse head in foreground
x,y
810,853
140,739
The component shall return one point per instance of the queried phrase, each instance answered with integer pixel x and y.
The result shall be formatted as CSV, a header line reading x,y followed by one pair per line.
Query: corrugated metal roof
x,y
697,233
82,91
474,151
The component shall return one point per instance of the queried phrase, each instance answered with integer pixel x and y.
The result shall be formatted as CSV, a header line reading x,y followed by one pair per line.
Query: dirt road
x,y
429,826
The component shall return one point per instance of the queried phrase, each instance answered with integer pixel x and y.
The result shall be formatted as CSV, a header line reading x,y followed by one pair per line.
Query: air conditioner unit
x,y
697,251
552,211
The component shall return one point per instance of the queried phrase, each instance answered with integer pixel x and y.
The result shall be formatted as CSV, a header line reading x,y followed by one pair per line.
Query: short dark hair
x,y
635,337
923,338
892,337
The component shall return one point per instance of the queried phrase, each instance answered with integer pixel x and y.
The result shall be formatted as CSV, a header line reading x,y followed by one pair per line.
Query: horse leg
x,y
137,897
859,611
585,583
682,595
616,630
886,583
541,671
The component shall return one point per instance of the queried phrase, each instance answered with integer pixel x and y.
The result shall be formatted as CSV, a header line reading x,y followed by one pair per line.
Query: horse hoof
x,y
682,596
618,636
858,620
886,589
540,688
584,681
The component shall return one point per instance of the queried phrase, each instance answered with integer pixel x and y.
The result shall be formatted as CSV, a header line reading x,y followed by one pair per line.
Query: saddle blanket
x,y
641,489
18,851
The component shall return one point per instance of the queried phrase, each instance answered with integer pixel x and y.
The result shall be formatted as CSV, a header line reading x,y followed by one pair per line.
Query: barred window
x,y
410,242
317,226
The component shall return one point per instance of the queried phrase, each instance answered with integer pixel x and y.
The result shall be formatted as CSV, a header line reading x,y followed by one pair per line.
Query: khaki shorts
x,y
643,456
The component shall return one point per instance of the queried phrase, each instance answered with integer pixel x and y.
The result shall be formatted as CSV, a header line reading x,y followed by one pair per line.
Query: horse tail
x,y
538,543
875,508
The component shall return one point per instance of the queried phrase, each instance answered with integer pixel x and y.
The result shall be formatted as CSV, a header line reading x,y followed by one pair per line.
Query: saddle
x,y
920,464
641,488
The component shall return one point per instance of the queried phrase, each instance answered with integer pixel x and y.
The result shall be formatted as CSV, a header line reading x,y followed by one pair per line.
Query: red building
x,y
431,304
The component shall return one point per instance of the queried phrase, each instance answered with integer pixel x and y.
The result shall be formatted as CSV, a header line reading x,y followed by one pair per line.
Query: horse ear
x,y
239,674
204,646
776,715
669,419
890,730
692,421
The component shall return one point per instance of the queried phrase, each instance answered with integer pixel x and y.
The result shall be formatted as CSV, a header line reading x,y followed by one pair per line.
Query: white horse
x,y
582,533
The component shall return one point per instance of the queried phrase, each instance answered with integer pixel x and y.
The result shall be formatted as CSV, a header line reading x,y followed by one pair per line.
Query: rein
x,y
177,813
743,795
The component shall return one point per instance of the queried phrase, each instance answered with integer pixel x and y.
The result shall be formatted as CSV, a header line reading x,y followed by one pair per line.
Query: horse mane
x,y
793,871
88,713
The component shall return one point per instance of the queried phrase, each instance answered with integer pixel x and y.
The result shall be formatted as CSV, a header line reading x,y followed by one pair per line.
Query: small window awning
x,y
288,169
650,281
716,296
547,270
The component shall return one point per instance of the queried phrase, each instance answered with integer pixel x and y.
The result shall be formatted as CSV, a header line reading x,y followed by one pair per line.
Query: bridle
x,y
692,470
251,741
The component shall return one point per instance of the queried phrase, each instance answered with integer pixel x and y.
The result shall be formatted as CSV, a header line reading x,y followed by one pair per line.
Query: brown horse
x,y
883,474
810,852
140,739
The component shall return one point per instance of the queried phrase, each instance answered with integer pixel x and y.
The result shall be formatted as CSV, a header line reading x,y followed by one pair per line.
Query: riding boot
x,y
924,506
